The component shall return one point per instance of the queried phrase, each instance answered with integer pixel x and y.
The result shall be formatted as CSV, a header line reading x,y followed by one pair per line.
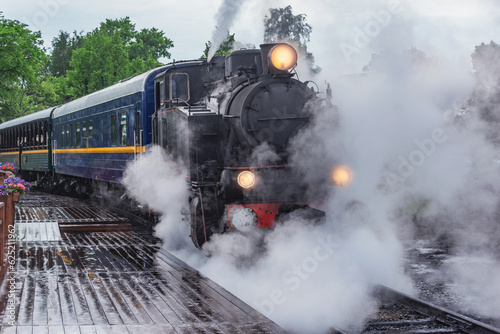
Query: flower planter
x,y
15,197
14,185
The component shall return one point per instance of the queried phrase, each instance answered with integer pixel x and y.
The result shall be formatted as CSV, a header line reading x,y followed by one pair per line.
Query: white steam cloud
x,y
224,20
158,181
423,167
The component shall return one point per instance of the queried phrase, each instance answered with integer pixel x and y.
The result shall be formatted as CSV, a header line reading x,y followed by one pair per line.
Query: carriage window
x,y
72,135
123,128
78,135
62,137
67,136
113,130
91,129
84,129
179,87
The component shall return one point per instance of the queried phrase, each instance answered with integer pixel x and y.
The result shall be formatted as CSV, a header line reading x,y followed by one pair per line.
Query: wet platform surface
x,y
70,214
114,282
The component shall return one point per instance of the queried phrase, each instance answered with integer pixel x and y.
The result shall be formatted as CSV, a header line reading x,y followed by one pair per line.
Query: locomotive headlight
x,y
246,179
341,176
283,57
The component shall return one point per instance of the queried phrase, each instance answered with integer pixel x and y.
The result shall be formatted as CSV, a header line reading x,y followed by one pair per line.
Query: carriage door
x,y
138,150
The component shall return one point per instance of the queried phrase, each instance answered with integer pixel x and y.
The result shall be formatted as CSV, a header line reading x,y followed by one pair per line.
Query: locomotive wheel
x,y
204,221
196,222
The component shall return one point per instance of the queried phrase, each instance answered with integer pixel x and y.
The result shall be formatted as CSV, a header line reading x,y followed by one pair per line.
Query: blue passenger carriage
x,y
96,135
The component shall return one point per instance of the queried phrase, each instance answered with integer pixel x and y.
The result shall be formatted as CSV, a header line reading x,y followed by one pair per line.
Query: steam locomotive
x,y
218,117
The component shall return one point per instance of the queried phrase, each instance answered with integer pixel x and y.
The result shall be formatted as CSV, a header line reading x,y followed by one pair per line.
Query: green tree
x,y
145,44
99,63
225,49
62,51
22,60
282,26
113,52
150,44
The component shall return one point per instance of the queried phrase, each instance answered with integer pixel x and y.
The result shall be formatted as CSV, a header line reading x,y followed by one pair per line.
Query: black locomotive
x,y
220,118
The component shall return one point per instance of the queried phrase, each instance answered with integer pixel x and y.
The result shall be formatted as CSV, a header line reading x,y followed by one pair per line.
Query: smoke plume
x,y
224,20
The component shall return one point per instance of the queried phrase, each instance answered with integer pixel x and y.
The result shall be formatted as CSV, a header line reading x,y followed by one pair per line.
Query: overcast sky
x,y
345,32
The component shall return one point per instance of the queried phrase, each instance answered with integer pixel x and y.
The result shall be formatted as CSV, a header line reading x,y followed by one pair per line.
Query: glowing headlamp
x,y
283,57
246,179
341,176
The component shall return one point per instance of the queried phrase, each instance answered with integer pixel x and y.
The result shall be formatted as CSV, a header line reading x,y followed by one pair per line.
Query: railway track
x,y
401,313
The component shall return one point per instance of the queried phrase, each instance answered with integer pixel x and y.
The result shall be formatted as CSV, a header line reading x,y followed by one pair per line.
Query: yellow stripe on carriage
x,y
120,149
33,152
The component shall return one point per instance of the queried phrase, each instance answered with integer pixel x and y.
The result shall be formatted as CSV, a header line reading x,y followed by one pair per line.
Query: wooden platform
x,y
115,282
71,215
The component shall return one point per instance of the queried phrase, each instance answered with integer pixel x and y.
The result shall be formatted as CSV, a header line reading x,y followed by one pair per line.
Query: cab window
x,y
179,87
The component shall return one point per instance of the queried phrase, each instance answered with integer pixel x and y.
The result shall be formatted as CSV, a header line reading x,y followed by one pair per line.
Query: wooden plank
x,y
95,307
58,258
146,311
224,307
49,260
95,227
40,316
142,282
21,261
167,262
128,257
20,231
81,307
151,329
119,259
19,288
129,308
102,329
56,329
40,329
234,300
32,232
208,306
68,312
153,286
43,231
87,306
235,310
25,330
189,306
9,330
86,329
54,312
103,298
73,329
52,230
25,310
